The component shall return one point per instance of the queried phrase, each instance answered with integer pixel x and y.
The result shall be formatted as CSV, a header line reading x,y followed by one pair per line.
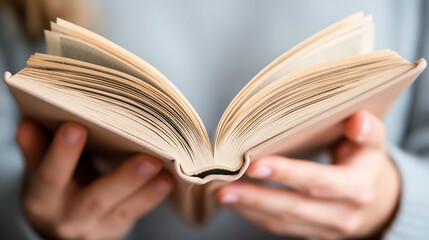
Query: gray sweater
x,y
210,49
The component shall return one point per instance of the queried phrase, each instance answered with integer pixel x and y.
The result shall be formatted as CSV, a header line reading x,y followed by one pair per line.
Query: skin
x,y
356,197
60,207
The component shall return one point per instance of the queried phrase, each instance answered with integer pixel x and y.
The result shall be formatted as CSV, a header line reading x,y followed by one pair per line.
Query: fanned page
x,y
71,41
349,37
92,76
301,96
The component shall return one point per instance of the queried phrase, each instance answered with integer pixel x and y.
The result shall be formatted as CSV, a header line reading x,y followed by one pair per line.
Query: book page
x,y
351,36
303,95
59,44
121,101
104,82
150,72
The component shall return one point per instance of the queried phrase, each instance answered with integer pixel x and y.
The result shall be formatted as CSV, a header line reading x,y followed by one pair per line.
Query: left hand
x,y
355,197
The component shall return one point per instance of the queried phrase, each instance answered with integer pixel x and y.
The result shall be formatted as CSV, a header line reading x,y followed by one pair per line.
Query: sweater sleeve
x,y
13,224
412,218
412,154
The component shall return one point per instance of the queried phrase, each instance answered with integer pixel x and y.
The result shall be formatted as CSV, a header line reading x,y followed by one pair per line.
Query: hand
x,y
57,206
355,197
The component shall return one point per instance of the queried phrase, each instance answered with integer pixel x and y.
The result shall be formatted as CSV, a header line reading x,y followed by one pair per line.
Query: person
x,y
374,188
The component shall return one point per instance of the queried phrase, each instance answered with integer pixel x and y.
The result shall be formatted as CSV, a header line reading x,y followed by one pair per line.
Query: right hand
x,y
57,206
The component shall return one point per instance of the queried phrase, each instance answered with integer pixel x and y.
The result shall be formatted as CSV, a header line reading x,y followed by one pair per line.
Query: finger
x,y
109,190
288,205
284,226
359,161
142,202
33,143
121,218
145,199
314,179
365,129
57,167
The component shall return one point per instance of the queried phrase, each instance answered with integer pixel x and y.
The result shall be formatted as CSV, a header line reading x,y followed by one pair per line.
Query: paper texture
x,y
193,196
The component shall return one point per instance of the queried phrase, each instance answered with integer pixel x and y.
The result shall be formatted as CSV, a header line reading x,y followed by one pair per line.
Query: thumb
x,y
365,129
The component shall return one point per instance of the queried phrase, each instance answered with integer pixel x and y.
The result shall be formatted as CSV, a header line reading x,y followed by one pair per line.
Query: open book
x,y
295,105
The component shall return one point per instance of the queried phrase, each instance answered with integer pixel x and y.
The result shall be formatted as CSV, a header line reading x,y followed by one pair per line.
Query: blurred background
x,y
208,49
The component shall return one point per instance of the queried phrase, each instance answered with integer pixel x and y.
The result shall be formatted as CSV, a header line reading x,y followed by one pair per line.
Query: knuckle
x,y
33,208
349,224
122,214
318,186
364,194
50,178
94,204
294,211
66,230
253,200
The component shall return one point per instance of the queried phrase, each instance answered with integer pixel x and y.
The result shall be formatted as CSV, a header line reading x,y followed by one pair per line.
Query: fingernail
x,y
261,171
146,168
162,186
229,198
366,128
72,134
